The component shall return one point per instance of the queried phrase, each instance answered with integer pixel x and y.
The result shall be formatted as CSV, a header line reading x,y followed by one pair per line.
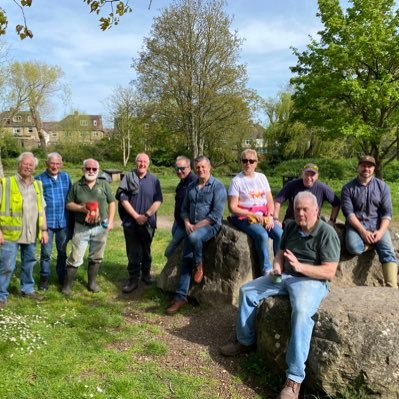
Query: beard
x,y
90,177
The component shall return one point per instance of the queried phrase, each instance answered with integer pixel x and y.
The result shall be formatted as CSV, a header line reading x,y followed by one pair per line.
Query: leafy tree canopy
x,y
347,81
117,8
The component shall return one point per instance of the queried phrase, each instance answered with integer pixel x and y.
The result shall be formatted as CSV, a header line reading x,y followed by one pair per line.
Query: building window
x,y
95,122
247,142
29,118
146,126
84,122
30,130
17,131
17,118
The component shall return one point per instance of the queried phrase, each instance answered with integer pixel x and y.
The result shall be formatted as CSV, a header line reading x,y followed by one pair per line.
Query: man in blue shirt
x,y
56,186
202,213
183,171
140,201
308,182
367,207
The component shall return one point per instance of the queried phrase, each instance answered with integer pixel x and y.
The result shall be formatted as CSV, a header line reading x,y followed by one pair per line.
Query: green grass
x,y
96,345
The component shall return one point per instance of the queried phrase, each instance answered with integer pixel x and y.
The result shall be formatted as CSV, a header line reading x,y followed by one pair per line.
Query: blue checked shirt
x,y
55,193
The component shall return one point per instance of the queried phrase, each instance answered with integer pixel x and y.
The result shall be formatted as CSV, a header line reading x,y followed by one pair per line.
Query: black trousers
x,y
138,241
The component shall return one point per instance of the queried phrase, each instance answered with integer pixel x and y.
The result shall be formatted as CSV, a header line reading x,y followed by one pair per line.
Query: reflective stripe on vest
x,y
11,208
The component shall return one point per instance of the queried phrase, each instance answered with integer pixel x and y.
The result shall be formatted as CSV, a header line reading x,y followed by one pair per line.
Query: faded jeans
x,y
61,241
95,237
178,234
8,259
355,245
305,296
260,237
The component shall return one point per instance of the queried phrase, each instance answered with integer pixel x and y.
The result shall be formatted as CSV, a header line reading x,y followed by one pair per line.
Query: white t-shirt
x,y
251,191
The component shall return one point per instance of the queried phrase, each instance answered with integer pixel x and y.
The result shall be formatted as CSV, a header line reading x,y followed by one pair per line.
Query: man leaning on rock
x,y
367,207
306,262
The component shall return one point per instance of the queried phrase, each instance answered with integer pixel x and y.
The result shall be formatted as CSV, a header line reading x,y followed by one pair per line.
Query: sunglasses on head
x,y
251,161
91,169
180,168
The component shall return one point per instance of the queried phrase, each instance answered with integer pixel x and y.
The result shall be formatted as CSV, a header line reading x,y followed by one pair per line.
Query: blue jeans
x,y
61,241
95,237
261,236
355,245
305,296
178,234
192,256
8,259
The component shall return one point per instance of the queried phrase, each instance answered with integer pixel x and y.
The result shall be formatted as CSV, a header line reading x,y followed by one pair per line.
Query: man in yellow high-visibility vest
x,y
22,222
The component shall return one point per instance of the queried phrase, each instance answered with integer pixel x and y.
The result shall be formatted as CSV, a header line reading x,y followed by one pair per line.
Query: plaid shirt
x,y
55,193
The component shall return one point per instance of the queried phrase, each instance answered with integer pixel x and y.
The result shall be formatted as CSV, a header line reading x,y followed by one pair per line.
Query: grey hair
x,y
306,194
183,158
142,153
91,159
25,155
54,155
202,158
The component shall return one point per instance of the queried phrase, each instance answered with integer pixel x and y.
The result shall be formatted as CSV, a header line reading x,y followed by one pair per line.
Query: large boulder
x,y
229,261
355,341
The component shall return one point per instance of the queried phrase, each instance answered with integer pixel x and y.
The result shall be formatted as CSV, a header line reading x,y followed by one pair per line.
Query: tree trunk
x,y
39,127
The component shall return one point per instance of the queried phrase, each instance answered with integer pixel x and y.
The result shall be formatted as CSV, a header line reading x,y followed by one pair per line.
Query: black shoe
x,y
43,284
130,286
147,279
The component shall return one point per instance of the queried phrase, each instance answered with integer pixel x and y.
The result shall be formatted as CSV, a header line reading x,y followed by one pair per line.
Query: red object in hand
x,y
91,205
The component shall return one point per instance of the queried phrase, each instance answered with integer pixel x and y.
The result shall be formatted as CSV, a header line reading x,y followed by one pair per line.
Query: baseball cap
x,y
311,167
368,159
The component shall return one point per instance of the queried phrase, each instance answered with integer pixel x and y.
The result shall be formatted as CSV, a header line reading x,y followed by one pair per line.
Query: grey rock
x,y
228,262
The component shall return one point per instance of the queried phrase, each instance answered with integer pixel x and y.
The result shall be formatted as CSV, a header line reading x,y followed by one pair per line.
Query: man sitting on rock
x,y
202,213
306,262
367,207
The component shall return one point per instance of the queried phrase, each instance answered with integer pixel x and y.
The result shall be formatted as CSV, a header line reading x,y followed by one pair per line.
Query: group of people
x,y
306,248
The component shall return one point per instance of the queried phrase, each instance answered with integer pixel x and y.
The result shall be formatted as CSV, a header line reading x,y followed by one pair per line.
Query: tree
x,y
31,85
118,9
348,81
189,67
124,108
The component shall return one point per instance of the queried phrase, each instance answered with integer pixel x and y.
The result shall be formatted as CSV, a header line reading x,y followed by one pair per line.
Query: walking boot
x,y
68,281
92,271
131,285
290,390
43,283
390,272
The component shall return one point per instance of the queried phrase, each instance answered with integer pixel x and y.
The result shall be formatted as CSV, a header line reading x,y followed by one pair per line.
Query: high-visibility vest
x,y
11,208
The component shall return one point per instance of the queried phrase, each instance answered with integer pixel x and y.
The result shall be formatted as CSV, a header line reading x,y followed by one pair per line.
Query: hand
x,y
377,235
293,261
368,237
110,225
268,223
141,220
44,238
1,238
189,227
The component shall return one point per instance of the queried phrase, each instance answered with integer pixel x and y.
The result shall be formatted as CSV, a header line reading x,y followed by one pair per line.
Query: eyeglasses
x,y
251,161
91,169
180,168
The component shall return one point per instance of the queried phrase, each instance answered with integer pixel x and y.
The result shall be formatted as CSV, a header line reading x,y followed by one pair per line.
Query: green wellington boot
x,y
390,272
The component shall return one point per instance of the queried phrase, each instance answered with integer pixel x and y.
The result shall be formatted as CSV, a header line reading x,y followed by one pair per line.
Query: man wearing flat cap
x,y
367,207
308,182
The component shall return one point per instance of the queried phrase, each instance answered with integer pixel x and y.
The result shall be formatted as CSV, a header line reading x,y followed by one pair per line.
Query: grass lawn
x,y
110,345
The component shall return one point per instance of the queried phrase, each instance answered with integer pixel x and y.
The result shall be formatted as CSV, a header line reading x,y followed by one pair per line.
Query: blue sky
x,y
95,62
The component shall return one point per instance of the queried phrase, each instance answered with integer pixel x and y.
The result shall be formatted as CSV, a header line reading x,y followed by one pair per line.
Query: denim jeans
x,y
305,296
61,241
138,241
178,234
355,245
192,256
8,258
261,236
95,237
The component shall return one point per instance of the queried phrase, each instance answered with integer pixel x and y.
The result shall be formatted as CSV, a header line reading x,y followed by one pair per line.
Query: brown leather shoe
x,y
198,273
175,307
290,390
235,348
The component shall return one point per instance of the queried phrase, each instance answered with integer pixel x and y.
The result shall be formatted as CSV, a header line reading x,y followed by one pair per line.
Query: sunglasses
x,y
251,161
180,168
91,169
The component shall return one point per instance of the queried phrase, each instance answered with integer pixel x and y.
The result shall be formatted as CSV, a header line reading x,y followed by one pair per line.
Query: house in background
x,y
75,128
20,126
255,139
